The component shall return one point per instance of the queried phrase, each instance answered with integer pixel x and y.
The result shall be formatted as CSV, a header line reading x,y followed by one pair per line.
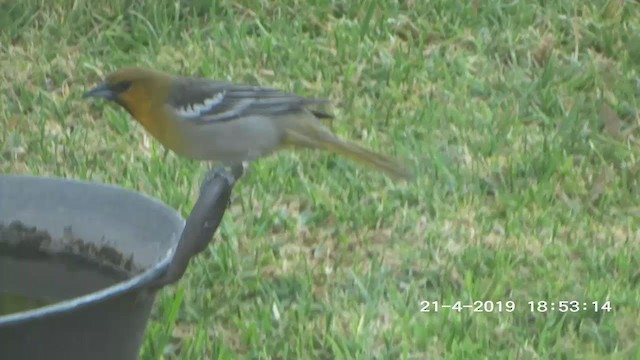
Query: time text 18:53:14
x,y
566,306
540,306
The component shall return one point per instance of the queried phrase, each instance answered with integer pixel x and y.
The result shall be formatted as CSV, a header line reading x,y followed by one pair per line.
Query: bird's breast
x,y
163,128
230,142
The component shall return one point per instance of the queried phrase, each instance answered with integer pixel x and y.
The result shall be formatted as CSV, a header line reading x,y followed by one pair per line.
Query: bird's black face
x,y
109,90
133,88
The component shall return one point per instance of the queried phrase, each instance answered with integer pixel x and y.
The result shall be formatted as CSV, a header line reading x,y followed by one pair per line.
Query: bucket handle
x,y
202,223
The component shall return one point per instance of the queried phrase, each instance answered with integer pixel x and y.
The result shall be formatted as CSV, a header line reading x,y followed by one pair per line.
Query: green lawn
x,y
520,119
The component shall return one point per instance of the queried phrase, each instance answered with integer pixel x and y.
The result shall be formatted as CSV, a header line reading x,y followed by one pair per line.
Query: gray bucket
x,y
96,319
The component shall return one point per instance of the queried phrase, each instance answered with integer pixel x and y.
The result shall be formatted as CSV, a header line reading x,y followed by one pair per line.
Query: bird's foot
x,y
231,173
216,173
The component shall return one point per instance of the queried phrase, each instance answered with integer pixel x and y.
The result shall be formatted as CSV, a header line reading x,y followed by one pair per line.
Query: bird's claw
x,y
231,175
216,173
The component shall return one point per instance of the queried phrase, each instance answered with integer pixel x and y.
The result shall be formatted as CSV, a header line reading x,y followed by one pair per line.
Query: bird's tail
x,y
324,140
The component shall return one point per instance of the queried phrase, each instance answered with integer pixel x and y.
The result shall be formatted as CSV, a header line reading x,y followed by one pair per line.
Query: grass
x,y
519,117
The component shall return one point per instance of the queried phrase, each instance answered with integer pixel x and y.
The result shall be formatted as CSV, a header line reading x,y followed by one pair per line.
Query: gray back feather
x,y
206,101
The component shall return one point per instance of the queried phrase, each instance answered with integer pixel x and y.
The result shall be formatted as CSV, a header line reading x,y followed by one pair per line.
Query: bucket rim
x,y
135,282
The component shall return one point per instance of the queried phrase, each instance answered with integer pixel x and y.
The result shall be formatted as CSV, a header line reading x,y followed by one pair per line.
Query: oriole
x,y
229,123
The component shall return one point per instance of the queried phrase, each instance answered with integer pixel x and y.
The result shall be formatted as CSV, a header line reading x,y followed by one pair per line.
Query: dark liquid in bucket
x,y
31,277
13,303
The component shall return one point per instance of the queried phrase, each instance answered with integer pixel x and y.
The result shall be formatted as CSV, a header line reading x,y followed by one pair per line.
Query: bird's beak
x,y
102,90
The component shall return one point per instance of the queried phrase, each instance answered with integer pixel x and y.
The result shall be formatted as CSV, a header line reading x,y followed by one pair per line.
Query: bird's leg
x,y
235,172
218,171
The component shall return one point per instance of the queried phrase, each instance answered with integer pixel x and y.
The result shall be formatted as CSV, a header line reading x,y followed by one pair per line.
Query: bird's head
x,y
132,87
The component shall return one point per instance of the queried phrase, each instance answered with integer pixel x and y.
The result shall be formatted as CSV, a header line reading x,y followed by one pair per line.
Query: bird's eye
x,y
121,86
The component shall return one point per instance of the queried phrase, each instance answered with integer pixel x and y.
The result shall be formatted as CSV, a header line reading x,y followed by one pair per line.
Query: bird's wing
x,y
205,101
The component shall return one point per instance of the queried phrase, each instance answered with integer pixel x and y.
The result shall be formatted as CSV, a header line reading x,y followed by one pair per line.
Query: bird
x,y
229,123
